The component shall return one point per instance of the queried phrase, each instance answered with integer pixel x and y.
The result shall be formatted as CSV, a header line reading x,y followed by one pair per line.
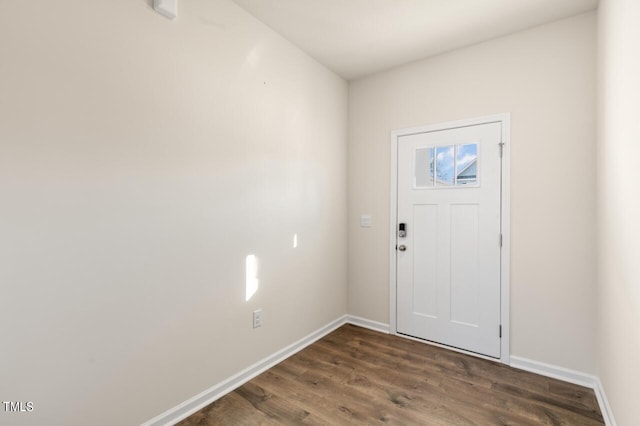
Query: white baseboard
x,y
603,402
187,408
367,323
571,376
553,371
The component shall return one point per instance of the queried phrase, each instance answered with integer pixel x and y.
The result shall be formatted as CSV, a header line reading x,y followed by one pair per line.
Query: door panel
x,y
464,263
425,258
448,279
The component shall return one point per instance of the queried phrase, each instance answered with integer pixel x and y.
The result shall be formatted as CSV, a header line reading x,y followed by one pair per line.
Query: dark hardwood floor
x,y
358,376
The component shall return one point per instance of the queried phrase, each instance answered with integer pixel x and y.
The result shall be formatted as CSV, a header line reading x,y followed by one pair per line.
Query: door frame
x,y
505,228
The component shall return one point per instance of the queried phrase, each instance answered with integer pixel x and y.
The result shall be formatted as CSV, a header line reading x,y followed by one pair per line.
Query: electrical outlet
x,y
257,318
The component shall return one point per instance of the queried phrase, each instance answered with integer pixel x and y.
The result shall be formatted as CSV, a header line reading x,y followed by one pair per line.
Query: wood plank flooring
x,y
358,376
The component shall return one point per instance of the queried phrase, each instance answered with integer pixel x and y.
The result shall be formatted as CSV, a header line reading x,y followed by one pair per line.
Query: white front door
x,y
448,263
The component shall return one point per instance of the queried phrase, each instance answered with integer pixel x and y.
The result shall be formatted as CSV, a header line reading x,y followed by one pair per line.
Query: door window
x,y
446,166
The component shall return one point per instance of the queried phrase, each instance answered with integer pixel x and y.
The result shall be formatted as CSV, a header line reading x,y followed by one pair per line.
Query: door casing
x,y
504,119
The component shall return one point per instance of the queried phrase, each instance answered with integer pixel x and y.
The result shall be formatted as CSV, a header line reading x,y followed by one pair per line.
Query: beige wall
x,y
545,77
141,161
619,207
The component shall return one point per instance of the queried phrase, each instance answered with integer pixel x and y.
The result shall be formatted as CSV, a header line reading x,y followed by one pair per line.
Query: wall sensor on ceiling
x,y
168,8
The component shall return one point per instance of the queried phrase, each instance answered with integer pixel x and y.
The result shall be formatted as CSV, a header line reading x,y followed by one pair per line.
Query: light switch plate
x,y
365,221
168,8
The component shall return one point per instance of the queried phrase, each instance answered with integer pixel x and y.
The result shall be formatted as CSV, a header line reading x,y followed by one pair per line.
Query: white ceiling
x,y
359,37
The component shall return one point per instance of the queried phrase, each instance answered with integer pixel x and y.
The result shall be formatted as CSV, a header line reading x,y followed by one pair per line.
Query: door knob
x,y
402,247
